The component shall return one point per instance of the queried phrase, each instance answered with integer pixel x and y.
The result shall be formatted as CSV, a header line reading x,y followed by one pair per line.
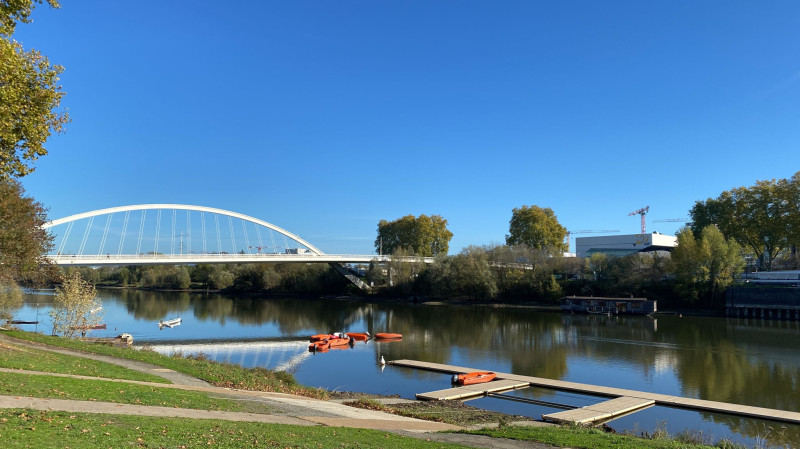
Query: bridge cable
x,y
188,232
233,238
219,240
105,234
258,234
203,230
246,238
272,237
141,233
124,232
64,238
158,228
172,239
85,235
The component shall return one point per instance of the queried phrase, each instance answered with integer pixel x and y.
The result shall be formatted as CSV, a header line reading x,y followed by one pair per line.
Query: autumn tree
x,y
10,301
30,95
425,236
75,307
23,241
538,228
763,218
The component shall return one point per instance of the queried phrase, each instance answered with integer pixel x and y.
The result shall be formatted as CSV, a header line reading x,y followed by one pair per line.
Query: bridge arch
x,y
175,207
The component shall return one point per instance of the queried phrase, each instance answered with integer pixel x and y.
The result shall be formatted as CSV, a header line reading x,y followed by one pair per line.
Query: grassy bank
x,y
27,428
23,358
592,438
35,429
219,374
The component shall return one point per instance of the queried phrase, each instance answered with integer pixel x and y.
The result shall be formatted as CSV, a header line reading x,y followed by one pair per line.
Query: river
x,y
752,362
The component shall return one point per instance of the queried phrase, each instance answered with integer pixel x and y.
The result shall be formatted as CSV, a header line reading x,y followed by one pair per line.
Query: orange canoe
x,y
319,337
319,346
476,377
334,342
388,336
359,336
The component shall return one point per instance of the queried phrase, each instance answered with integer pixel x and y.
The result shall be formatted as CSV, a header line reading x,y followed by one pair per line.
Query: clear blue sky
x,y
324,117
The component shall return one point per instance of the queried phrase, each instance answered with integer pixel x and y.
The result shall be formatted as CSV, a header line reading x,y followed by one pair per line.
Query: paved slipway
x,y
286,409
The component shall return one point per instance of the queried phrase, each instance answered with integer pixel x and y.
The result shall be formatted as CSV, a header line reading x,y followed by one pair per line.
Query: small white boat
x,y
169,323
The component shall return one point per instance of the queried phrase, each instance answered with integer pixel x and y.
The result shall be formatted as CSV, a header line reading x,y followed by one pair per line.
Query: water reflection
x,y
731,360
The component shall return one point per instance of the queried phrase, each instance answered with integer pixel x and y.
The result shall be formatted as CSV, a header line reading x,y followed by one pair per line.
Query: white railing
x,y
177,259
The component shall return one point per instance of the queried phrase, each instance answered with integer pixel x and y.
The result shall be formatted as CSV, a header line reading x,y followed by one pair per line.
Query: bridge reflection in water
x,y
279,355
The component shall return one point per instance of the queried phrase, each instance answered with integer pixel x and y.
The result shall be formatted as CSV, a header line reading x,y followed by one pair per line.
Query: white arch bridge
x,y
176,234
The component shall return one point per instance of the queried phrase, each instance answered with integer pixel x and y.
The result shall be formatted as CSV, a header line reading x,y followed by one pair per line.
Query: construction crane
x,y
672,220
643,211
606,231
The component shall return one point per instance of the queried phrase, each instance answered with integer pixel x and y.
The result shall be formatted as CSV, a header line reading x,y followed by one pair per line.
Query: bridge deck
x,y
659,399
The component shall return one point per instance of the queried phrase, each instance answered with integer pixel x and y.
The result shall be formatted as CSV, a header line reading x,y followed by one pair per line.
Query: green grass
x,y
581,437
17,357
37,429
44,386
219,374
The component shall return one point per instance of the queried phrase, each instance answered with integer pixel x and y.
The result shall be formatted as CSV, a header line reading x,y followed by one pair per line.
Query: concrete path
x,y
287,409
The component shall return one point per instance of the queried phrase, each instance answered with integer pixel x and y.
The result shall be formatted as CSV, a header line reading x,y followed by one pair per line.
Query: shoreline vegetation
x,y
34,428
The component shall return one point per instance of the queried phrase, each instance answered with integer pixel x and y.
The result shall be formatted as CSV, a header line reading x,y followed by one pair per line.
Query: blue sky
x,y
324,117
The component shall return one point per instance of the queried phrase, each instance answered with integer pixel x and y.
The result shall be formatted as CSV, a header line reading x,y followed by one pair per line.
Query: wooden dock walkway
x,y
659,399
473,391
604,411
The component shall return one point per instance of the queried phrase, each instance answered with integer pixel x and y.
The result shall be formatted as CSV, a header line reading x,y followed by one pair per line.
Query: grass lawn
x,y
219,374
43,386
18,357
590,438
37,429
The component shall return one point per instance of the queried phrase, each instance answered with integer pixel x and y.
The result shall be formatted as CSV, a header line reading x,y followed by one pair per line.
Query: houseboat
x,y
608,306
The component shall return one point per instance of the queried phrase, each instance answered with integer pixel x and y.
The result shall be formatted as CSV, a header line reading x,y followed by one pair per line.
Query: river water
x,y
752,362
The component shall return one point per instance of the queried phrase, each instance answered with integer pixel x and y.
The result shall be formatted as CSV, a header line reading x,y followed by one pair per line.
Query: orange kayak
x,y
475,377
388,336
319,346
339,342
319,337
359,336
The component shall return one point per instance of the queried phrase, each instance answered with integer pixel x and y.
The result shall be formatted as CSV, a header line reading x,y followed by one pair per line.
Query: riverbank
x,y
289,416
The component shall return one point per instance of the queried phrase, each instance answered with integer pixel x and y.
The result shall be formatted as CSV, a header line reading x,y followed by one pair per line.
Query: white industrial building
x,y
623,245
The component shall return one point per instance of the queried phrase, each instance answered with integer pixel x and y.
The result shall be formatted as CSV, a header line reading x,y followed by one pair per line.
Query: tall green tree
x,y
704,267
23,241
538,228
30,95
425,236
763,218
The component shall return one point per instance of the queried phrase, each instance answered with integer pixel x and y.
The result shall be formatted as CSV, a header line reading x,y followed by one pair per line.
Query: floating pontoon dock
x,y
507,381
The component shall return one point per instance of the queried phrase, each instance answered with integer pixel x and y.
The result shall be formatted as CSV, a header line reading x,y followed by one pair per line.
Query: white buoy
x,y
383,362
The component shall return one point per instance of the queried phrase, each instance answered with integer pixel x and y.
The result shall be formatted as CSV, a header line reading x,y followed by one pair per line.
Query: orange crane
x,y
606,231
643,211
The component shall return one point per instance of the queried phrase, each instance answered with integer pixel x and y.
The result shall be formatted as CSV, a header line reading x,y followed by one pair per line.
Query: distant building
x,y
623,245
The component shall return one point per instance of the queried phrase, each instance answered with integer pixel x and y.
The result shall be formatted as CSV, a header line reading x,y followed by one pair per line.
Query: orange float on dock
x,y
475,377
